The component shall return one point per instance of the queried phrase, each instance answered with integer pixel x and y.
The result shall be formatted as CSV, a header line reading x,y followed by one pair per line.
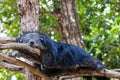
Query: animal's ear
x,y
19,39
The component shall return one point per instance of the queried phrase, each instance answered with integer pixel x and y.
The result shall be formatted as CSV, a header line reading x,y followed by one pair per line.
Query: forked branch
x,y
11,67
23,64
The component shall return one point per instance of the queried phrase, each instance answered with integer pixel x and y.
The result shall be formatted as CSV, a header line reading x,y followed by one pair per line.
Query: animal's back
x,y
72,56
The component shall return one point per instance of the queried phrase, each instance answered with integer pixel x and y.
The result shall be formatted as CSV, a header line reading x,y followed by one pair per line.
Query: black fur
x,y
58,55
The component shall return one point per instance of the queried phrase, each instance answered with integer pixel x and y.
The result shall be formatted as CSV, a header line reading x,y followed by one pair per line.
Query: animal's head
x,y
35,39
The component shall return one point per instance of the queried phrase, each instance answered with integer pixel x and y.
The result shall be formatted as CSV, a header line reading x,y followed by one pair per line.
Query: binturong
x,y
57,55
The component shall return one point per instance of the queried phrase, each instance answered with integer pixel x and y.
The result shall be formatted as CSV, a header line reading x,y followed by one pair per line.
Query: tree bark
x,y
29,14
30,76
68,22
29,21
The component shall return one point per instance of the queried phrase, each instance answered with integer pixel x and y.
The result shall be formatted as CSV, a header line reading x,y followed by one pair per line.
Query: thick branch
x,y
8,40
117,70
20,47
4,40
82,72
30,58
11,67
18,62
112,74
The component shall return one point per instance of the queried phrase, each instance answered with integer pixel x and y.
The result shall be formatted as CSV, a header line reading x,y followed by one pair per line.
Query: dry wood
x,y
118,70
30,58
87,72
4,40
112,74
18,62
11,67
20,46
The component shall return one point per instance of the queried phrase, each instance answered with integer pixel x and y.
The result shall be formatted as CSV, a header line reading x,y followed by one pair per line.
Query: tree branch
x,y
30,57
11,67
16,46
87,72
81,72
4,40
20,47
117,70
18,62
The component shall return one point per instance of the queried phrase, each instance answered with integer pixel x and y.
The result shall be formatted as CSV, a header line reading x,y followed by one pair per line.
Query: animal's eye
x,y
41,39
21,40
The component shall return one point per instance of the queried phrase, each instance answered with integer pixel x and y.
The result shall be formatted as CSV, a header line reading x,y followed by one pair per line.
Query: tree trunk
x,y
30,76
29,21
29,15
68,22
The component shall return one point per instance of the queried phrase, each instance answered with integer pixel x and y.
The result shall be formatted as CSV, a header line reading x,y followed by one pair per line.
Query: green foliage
x,y
9,21
9,75
99,21
46,5
49,26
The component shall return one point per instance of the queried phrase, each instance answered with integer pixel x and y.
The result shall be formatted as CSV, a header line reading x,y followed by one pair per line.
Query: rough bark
x,y
20,47
85,72
4,40
11,67
29,21
29,15
29,75
68,22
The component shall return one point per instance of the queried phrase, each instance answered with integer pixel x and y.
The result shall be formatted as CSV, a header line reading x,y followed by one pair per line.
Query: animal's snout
x,y
32,42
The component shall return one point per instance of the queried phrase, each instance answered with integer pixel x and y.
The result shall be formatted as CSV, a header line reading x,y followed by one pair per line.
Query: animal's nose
x,y
31,42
